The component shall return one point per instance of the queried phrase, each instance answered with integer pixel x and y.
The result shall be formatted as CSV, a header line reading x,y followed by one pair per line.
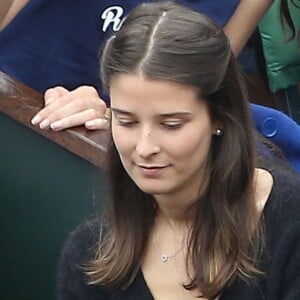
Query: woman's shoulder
x,y
282,231
285,194
79,248
282,211
83,239
286,180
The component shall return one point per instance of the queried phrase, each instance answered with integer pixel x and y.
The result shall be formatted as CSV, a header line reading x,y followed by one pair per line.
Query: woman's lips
x,y
151,171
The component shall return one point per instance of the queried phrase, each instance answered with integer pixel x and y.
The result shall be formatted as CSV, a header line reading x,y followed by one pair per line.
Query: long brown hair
x,y
170,42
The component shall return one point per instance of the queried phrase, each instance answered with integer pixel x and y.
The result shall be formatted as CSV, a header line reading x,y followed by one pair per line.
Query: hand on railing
x,y
64,109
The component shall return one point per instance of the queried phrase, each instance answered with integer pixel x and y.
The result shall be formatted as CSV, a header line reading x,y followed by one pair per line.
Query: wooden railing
x,y
21,103
49,183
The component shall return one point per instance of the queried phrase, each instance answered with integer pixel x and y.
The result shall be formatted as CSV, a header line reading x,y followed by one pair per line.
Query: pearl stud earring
x,y
219,132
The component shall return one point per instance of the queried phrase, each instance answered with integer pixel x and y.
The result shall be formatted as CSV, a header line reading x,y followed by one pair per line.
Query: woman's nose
x,y
147,145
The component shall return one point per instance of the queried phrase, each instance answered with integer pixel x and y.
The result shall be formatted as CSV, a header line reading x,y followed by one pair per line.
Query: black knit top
x,y
280,259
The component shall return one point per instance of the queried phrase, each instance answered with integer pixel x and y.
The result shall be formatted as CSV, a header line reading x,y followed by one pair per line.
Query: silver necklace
x,y
165,257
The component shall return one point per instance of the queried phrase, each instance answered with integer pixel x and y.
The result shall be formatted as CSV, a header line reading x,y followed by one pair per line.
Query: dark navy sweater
x,y
57,42
280,259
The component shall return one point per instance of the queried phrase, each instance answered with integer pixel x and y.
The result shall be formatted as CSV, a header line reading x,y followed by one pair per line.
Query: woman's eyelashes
x,y
164,122
170,125
126,122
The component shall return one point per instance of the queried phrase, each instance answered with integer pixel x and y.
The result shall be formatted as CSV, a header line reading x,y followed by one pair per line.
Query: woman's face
x,y
162,133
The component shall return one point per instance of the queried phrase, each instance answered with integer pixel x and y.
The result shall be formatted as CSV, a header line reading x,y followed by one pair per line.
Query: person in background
x,y
46,44
195,210
4,8
82,105
72,53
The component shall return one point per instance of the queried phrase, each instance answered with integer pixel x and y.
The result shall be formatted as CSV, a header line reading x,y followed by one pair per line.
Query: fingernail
x,y
44,124
90,123
36,120
96,124
55,125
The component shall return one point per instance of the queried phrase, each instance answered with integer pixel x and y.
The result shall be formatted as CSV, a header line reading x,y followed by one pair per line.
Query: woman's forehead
x,y
127,86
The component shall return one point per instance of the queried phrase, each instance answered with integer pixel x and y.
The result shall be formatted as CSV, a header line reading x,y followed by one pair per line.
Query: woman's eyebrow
x,y
163,115
176,114
120,111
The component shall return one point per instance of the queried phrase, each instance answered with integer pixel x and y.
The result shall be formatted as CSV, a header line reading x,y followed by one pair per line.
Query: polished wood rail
x,y
21,103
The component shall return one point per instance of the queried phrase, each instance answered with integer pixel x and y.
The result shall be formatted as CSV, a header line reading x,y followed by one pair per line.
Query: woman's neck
x,y
175,219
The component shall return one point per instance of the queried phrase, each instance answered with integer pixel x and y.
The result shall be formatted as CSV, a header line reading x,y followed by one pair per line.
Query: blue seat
x,y
280,129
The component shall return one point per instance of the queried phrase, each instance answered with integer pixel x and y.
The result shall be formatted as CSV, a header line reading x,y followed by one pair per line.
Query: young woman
x,y
195,213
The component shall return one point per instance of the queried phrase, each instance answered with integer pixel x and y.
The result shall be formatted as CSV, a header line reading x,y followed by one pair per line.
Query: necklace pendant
x,y
164,258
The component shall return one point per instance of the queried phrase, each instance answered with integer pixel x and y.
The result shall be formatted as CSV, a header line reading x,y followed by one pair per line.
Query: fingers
x,y
54,111
99,123
79,119
53,94
64,109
